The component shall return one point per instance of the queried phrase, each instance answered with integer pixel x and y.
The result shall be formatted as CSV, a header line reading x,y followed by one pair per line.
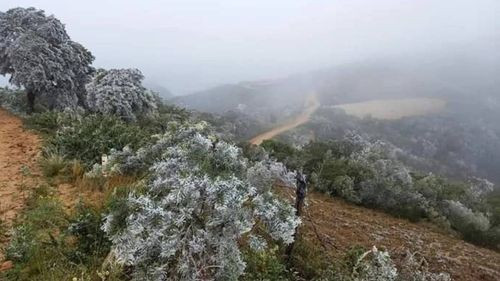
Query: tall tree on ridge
x,y
40,56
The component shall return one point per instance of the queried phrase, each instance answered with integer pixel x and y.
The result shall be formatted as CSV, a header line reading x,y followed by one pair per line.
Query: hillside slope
x,y
340,225
336,224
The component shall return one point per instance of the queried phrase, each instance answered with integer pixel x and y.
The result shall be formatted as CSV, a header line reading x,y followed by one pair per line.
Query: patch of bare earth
x,y
339,225
19,150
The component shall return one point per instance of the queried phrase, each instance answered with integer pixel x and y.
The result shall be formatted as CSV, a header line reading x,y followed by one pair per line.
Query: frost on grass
x,y
377,265
120,92
202,198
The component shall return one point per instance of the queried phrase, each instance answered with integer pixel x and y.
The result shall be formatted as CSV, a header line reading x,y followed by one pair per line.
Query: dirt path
x,y
341,225
18,168
312,104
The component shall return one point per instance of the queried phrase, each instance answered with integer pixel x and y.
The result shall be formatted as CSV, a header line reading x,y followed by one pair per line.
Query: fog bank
x,y
188,45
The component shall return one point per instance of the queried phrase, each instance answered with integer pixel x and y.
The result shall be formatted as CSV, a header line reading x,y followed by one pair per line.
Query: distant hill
x,y
245,95
343,84
269,101
159,89
452,77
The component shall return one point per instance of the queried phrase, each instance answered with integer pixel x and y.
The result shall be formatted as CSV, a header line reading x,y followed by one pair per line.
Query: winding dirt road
x,y
312,104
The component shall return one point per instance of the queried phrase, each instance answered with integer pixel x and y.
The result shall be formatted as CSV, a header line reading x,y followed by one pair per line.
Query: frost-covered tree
x,y
120,92
40,56
203,197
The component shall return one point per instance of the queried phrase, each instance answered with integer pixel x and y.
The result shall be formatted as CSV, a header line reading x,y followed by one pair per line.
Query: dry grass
x,y
94,191
392,109
337,225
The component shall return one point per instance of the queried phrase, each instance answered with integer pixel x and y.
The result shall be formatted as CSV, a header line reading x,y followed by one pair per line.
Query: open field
x,y
391,109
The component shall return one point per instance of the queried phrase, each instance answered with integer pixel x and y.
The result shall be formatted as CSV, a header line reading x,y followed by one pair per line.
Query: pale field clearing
x,y
392,109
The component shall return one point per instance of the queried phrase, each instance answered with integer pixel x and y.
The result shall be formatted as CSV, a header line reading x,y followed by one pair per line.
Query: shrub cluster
x,y
202,197
90,137
368,173
200,208
377,265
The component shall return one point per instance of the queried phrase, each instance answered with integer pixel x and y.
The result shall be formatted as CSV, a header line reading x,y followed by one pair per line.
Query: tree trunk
x,y
81,96
31,101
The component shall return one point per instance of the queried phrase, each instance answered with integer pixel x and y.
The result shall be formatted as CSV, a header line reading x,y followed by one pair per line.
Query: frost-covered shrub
x,y
473,225
368,172
344,186
390,185
480,187
376,265
415,268
22,243
120,92
202,197
462,217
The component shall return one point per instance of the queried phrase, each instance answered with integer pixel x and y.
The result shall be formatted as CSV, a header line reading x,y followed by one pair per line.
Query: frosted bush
x,y
344,186
257,243
415,268
120,92
464,219
203,196
375,265
480,187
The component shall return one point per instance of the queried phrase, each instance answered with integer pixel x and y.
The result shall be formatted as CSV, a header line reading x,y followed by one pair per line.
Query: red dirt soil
x,y
340,225
19,150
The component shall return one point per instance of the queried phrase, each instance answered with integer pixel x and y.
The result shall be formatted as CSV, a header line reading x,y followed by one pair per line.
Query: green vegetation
x,y
170,197
88,138
14,100
265,265
49,244
364,173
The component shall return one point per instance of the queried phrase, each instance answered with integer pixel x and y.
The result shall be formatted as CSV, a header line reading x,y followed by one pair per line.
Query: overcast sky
x,y
187,45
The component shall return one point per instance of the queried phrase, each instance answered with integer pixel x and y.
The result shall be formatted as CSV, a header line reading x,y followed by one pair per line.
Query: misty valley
x,y
373,168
